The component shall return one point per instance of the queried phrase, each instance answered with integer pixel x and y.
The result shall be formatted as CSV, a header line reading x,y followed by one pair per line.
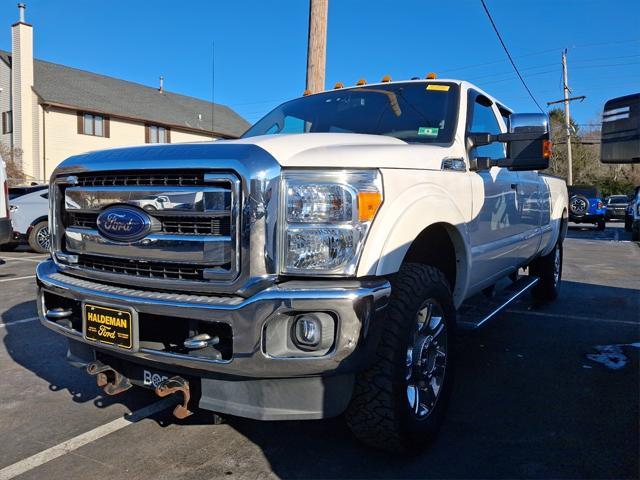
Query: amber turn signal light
x,y
368,204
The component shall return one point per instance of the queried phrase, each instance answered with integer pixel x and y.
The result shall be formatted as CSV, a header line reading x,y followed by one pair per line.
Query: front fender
x,y
405,217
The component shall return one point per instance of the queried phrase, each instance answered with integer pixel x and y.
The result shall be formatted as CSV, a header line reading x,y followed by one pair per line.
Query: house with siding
x,y
51,111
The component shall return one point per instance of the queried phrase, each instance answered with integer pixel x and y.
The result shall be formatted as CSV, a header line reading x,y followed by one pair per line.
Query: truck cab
x,y
321,267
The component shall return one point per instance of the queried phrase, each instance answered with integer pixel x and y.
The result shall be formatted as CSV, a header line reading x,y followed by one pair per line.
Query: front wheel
x,y
400,401
549,271
39,239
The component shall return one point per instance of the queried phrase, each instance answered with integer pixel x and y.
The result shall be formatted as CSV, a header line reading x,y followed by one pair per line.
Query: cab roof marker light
x,y
338,85
360,82
386,79
306,92
431,76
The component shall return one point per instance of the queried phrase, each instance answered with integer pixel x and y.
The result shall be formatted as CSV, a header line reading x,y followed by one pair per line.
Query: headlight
x,y
326,219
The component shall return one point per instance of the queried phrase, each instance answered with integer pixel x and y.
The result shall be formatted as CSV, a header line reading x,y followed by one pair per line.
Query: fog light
x,y
307,331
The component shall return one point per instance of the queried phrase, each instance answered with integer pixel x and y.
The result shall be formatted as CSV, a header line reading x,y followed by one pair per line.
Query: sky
x,y
257,48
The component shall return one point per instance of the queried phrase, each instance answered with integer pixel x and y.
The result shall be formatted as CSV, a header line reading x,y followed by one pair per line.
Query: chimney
x,y
161,88
22,98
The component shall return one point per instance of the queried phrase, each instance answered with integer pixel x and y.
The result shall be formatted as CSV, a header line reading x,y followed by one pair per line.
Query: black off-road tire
x,y
601,225
549,273
35,237
379,413
627,224
635,233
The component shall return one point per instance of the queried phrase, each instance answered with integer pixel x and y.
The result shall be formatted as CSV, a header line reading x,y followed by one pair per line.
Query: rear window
x,y
591,192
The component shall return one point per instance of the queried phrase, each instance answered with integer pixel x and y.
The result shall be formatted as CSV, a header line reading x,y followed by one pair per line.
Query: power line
x,y
484,5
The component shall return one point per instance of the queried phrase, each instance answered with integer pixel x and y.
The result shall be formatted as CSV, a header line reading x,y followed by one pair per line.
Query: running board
x,y
480,309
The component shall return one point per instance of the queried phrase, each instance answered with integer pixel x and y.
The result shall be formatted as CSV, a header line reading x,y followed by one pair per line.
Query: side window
x,y
483,119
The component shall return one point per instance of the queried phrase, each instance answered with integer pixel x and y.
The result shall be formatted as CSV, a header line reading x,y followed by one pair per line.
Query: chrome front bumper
x,y
356,305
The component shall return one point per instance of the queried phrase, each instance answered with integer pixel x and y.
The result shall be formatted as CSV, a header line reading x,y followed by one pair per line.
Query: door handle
x,y
514,186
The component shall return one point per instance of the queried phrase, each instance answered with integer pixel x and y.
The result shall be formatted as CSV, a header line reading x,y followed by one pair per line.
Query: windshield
x,y
415,112
618,200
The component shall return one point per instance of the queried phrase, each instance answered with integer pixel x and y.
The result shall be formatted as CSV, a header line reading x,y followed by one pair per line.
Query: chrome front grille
x,y
193,239
143,179
194,225
136,268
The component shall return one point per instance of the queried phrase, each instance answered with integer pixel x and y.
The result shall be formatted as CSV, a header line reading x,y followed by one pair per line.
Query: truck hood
x,y
347,150
326,150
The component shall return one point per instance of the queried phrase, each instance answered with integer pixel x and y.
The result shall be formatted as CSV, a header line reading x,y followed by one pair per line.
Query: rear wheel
x,y
400,401
549,270
39,239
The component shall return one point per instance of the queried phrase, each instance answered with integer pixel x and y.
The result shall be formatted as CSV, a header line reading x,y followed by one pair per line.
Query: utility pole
x,y
567,118
317,46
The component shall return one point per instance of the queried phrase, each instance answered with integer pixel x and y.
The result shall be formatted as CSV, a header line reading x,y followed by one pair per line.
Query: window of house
x,y
157,134
92,124
7,122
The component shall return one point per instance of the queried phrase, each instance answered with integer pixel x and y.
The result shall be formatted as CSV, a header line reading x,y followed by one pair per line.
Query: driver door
x,y
496,222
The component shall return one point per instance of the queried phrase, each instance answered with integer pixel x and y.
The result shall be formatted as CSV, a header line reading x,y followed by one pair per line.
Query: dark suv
x,y
616,206
586,206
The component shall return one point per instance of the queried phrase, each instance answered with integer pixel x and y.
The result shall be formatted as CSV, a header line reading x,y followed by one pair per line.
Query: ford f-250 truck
x,y
329,259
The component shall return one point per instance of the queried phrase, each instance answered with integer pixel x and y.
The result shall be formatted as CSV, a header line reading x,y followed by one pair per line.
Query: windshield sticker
x,y
439,88
430,132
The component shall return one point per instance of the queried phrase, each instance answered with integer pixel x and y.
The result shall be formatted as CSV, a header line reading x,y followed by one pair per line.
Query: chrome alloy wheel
x,y
426,359
43,238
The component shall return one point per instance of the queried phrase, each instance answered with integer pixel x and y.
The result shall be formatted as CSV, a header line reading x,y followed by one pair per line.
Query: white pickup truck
x,y
331,255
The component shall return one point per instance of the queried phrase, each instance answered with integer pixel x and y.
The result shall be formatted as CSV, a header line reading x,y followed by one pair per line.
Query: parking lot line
x,y
23,259
574,317
16,278
17,322
74,443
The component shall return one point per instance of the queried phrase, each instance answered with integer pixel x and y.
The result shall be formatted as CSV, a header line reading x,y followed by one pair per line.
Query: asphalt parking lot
x,y
542,391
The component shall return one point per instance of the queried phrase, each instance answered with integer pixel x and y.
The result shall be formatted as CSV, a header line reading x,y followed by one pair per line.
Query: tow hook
x,y
113,382
175,385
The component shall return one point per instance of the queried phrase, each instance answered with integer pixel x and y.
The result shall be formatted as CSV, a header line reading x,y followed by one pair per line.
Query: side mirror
x,y
528,145
621,130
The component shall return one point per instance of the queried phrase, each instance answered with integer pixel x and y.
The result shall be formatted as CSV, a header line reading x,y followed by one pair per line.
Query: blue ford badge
x,y
124,224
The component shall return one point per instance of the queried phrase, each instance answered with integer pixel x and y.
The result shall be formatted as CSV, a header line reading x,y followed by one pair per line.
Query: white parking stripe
x,y
74,443
574,317
23,259
16,278
17,322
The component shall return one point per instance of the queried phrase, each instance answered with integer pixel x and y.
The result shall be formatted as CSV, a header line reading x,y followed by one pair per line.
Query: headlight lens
x,y
319,203
327,218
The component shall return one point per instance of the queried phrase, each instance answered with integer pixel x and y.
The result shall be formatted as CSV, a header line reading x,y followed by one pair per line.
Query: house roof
x,y
65,86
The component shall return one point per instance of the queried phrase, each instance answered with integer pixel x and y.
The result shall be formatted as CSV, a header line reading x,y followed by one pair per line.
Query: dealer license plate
x,y
112,326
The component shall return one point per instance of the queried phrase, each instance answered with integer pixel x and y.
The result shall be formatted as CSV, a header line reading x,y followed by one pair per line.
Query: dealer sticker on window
x,y
429,132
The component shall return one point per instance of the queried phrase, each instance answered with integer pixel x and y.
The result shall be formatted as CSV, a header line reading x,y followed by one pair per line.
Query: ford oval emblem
x,y
123,224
